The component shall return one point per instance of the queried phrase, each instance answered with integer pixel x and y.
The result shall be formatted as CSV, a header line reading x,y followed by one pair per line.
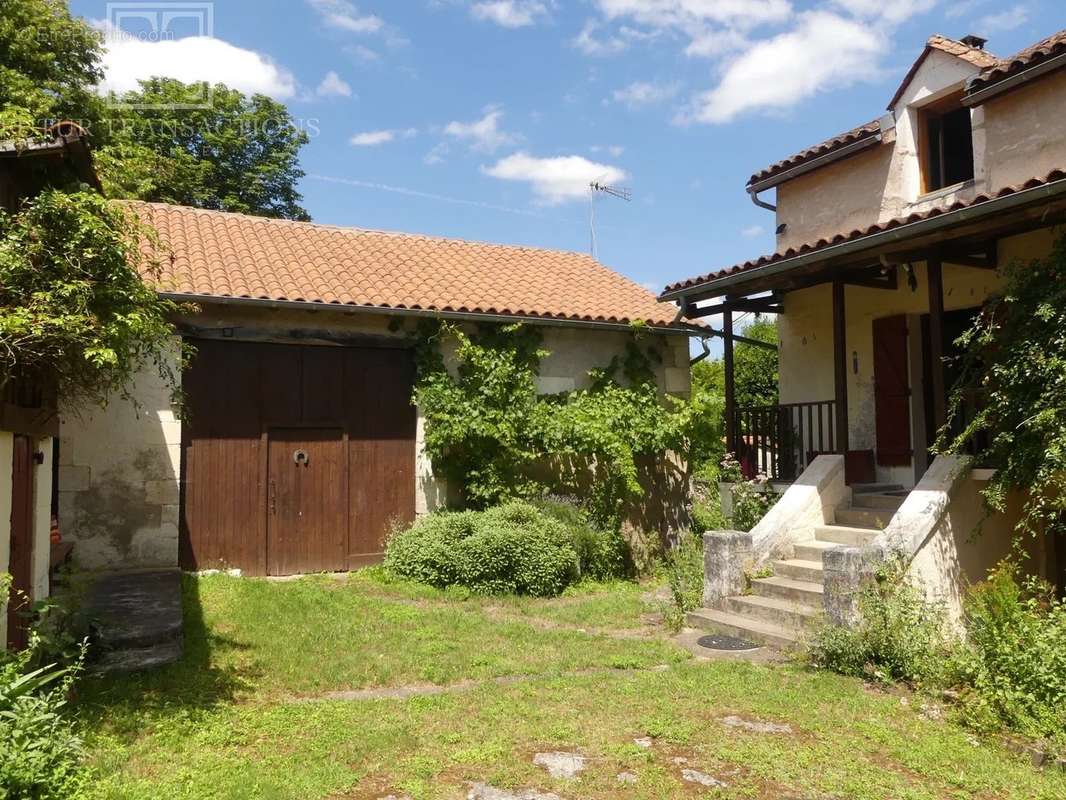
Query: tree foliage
x,y
1015,353
490,433
236,154
49,60
756,368
75,313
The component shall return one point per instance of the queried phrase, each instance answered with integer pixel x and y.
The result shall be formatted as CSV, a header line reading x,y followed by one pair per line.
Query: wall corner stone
x,y
847,570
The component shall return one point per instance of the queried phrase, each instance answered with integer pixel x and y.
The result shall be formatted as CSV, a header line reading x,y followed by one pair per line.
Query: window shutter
x,y
892,392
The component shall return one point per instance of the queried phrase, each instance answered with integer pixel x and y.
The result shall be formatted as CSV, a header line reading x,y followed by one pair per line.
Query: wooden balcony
x,y
779,441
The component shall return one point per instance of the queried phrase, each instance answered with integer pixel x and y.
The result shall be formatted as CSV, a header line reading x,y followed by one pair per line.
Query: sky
x,y
487,119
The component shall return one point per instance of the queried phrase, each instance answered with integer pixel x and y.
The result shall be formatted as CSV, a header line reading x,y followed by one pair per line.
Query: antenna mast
x,y
621,192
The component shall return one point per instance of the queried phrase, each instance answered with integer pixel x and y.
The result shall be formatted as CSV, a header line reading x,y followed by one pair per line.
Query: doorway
x,y
21,560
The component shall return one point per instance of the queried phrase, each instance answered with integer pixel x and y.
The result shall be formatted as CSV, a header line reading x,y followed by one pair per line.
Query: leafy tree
x,y
75,313
755,368
49,60
235,154
1015,353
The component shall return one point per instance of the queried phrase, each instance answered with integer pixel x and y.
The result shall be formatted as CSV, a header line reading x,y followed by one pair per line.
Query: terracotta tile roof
x,y
820,149
1004,68
228,255
1051,177
976,56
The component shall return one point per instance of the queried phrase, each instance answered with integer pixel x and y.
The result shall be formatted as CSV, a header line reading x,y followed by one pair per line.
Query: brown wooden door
x,y
21,542
892,392
307,515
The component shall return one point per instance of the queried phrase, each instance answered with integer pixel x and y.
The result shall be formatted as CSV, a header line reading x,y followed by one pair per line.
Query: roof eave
x,y
679,328
875,137
975,97
856,246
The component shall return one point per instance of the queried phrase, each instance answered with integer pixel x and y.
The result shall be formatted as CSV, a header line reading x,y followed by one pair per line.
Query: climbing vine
x,y
489,431
75,314
1015,356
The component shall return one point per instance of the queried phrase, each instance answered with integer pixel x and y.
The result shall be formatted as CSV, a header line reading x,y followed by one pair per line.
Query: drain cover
x,y
721,642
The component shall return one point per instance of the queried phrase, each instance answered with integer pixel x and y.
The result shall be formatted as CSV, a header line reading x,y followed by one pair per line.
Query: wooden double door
x,y
295,458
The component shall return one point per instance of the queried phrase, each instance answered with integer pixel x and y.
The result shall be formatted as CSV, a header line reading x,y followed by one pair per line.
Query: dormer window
x,y
946,144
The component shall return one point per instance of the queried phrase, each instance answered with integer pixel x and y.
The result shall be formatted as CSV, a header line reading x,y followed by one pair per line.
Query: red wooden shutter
x,y
892,392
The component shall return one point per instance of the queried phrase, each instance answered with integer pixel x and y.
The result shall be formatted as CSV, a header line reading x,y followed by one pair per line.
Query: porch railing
x,y
779,441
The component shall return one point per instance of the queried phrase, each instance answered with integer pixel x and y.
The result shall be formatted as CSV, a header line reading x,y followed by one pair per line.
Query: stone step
x,y
134,659
785,613
754,630
864,517
875,488
805,592
812,550
888,501
843,534
799,570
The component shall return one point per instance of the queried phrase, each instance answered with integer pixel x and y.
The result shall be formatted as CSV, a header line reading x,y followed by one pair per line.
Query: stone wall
x,y
119,468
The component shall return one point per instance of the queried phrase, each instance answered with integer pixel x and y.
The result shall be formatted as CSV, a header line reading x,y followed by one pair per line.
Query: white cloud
x,y
644,93
686,14
345,16
554,180
752,231
961,9
510,13
823,51
128,59
588,44
614,150
1003,21
483,134
374,138
333,86
891,11
715,43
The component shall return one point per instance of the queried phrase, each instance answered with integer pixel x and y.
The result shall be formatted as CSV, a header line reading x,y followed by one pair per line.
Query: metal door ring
x,y
300,457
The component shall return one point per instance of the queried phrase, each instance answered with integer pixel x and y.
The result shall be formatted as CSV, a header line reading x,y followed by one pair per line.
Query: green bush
x,y
1014,663
514,548
900,636
40,750
602,553
684,573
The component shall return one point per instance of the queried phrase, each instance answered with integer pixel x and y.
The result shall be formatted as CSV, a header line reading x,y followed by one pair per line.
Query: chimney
x,y
976,42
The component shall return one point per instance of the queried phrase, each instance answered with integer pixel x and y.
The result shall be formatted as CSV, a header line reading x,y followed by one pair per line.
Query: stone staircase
x,y
783,608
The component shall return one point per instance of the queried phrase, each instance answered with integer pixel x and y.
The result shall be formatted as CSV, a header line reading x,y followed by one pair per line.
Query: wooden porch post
x,y
935,276
730,385
840,367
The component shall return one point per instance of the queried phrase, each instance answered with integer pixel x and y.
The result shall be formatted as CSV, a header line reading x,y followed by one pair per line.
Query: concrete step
x,y
134,659
754,630
805,592
864,517
784,613
812,550
886,501
799,570
843,534
136,620
875,488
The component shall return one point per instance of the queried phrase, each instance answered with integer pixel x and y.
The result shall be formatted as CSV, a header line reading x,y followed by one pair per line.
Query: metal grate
x,y
722,642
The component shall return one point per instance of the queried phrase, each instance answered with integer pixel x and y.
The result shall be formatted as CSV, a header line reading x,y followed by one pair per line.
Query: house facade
x,y
300,447
890,239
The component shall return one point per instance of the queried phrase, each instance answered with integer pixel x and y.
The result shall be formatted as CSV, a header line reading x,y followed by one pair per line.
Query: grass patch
x,y
233,720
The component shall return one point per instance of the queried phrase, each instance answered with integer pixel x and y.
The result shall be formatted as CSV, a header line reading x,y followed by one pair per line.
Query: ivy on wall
x,y
1014,362
490,433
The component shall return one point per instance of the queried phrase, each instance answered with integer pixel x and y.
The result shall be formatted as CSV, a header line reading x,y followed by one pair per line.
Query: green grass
x,y
242,716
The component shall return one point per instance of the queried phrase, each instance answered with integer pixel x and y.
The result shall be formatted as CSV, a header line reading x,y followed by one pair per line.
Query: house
x,y
29,420
300,447
889,237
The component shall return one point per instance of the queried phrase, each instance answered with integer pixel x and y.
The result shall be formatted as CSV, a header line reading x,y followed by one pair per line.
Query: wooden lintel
x,y
753,306
874,278
980,256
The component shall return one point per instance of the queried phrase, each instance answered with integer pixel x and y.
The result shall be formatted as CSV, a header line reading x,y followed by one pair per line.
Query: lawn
x,y
325,688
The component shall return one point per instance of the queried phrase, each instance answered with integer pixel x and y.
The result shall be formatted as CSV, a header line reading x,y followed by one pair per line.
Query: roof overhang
x,y
1027,209
682,328
975,97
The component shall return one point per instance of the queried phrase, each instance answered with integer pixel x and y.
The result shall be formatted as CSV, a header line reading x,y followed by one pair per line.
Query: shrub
x,y
509,549
684,573
40,751
602,553
751,499
899,637
1014,663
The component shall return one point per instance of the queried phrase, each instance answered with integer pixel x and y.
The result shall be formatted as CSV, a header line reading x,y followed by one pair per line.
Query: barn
x,y
297,446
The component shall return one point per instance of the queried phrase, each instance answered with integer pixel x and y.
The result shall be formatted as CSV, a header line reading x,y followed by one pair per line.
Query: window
x,y
946,147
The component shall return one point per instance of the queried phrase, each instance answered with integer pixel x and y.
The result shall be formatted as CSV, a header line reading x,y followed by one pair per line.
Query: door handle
x,y
273,497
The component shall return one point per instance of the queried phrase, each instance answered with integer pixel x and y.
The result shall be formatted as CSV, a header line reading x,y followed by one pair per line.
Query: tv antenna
x,y
595,187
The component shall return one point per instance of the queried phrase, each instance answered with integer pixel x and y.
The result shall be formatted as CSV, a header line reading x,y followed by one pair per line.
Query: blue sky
x,y
483,119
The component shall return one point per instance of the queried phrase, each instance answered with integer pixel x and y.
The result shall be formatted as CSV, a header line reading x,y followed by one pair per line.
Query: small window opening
x,y
947,144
